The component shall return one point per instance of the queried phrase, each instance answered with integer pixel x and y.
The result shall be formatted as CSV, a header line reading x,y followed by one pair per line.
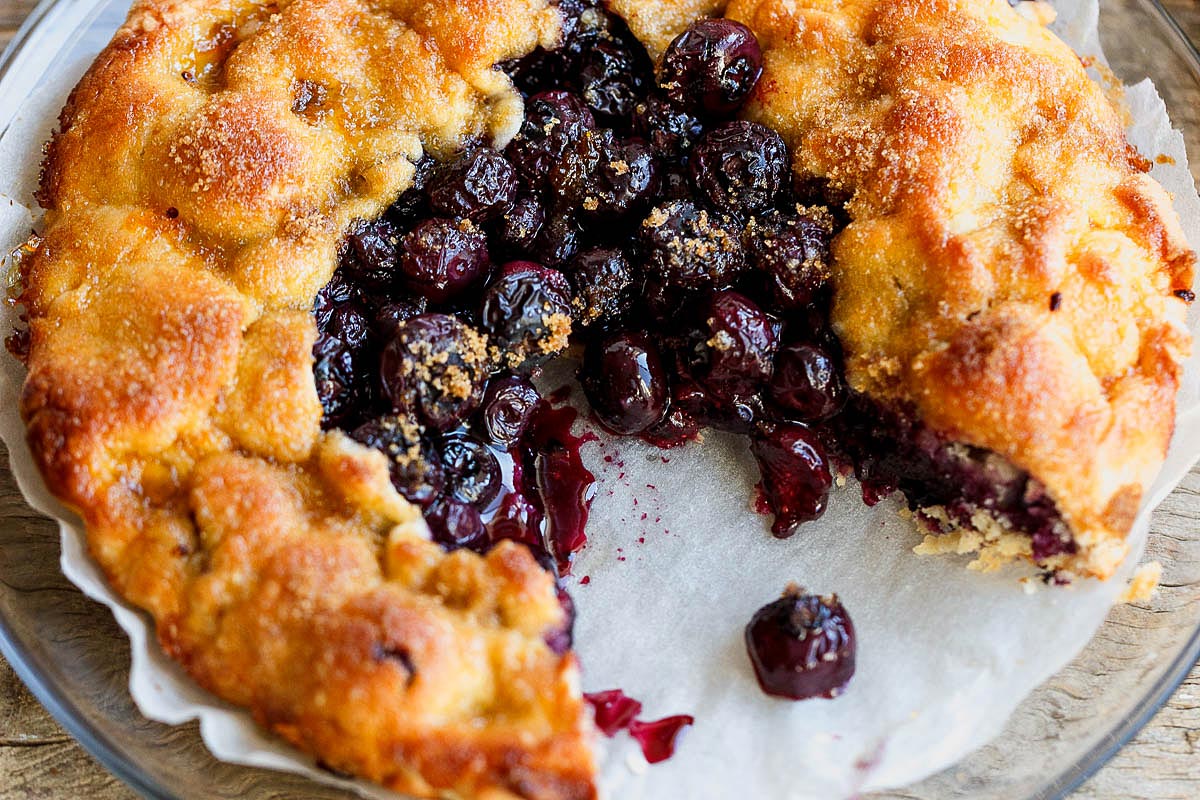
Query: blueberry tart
x,y
301,264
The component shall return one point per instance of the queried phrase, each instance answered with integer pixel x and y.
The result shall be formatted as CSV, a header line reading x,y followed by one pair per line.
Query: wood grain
x,y
39,760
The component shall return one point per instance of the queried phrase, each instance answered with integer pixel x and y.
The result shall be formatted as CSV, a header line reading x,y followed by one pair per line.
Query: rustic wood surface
x,y
39,760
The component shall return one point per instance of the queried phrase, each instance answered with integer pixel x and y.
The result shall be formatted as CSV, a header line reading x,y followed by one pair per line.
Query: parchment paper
x,y
677,563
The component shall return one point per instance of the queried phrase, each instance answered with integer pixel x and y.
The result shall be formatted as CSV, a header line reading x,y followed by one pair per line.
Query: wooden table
x,y
39,760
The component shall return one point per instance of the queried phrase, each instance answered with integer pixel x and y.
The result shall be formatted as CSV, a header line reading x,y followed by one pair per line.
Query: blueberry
x,y
602,179
690,248
393,312
526,311
538,71
519,520
575,24
795,474
807,381
411,205
339,291
793,250
610,79
558,241
477,185
712,67
625,382
336,372
455,524
553,120
413,461
802,646
675,185
602,285
518,228
670,130
740,167
738,414
740,348
542,70
472,472
441,257
508,407
349,323
340,352
370,255
435,367
561,638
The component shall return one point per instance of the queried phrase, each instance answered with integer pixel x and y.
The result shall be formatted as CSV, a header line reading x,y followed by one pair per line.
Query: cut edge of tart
x,y
1009,291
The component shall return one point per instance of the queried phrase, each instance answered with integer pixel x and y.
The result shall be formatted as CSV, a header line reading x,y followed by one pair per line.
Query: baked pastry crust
x,y
194,200
212,158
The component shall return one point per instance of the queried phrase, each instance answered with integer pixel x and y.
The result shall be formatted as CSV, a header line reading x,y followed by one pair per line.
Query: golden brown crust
x,y
990,179
656,22
206,167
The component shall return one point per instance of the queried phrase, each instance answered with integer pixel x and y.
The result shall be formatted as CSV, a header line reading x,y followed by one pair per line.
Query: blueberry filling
x,y
635,216
614,710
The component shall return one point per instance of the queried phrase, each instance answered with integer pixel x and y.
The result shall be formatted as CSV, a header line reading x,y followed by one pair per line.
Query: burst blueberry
x,y
371,253
337,377
670,130
558,241
413,462
508,407
740,348
807,382
690,248
526,311
602,285
518,228
610,80
391,314
411,205
793,250
601,178
435,368
456,525
332,296
795,474
553,120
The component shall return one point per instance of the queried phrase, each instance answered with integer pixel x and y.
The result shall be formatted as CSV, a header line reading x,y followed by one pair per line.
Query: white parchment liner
x,y
677,563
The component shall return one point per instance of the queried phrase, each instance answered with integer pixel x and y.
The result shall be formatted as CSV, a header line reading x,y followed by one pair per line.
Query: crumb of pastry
x,y
1143,584
992,539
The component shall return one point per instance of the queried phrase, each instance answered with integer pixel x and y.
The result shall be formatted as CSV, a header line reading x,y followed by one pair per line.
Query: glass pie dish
x,y
75,659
